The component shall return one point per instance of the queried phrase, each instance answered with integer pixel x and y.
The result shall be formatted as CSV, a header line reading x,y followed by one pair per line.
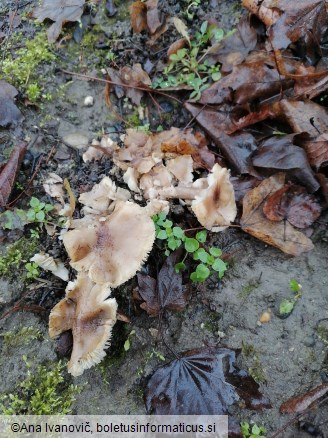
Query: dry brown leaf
x,y
59,11
279,234
155,18
317,151
138,15
177,45
9,172
181,28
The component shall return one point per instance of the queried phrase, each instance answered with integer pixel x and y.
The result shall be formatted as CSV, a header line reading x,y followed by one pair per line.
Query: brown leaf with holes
x,y
59,11
282,235
138,16
167,292
10,171
294,204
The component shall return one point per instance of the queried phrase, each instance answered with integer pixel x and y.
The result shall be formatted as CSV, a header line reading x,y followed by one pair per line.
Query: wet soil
x,y
286,356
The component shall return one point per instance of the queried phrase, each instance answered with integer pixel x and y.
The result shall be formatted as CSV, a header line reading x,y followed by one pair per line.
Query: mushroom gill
x,y
115,248
215,207
91,315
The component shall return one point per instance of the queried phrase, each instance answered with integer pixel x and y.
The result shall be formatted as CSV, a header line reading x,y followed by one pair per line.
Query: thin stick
x,y
135,87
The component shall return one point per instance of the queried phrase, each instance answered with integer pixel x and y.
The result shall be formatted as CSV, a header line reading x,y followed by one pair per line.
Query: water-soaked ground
x,y
286,356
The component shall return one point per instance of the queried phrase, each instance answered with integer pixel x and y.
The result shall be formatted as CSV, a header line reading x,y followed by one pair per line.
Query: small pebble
x,y
265,317
88,101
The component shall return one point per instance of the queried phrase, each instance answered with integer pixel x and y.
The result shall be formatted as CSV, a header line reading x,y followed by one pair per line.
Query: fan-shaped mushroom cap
x,y
98,200
215,207
115,249
91,317
181,167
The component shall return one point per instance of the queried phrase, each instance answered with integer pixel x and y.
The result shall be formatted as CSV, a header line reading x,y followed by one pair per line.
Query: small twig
x,y
135,87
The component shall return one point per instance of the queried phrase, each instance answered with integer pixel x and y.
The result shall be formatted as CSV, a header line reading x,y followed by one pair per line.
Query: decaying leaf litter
x,y
233,119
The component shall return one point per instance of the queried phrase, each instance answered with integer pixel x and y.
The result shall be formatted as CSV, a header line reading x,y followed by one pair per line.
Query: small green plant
x,y
127,343
208,262
21,337
33,271
21,69
152,354
16,255
287,305
43,392
38,211
252,431
187,65
193,4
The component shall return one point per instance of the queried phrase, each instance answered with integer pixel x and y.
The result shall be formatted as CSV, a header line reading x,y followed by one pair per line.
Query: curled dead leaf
x,y
279,234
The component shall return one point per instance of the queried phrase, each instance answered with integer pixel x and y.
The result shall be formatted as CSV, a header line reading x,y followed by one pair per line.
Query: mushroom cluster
x,y
161,166
106,247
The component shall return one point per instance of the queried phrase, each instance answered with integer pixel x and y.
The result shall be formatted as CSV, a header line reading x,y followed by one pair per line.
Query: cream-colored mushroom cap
x,y
215,207
115,248
91,317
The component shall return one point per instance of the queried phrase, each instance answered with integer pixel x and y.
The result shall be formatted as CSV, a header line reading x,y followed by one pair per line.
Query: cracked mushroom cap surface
x,y
113,250
91,315
215,207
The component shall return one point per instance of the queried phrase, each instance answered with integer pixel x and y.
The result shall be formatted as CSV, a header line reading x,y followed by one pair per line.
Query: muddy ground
x,y
287,356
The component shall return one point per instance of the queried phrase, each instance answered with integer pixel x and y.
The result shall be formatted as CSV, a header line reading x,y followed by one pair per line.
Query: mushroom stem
x,y
186,193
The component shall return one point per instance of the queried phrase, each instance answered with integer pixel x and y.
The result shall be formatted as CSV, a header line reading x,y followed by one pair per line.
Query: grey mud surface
x,y
287,355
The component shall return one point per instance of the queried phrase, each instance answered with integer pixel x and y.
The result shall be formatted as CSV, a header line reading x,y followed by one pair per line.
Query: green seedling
x,y
38,211
252,431
208,261
188,67
287,305
33,271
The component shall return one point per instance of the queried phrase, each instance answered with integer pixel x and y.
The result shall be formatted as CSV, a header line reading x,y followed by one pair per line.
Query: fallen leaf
x,y
255,79
303,116
281,154
234,49
317,151
237,148
10,171
294,204
9,113
181,28
134,76
242,185
177,45
111,8
290,22
138,16
279,234
300,403
59,11
203,381
155,18
14,219
167,292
